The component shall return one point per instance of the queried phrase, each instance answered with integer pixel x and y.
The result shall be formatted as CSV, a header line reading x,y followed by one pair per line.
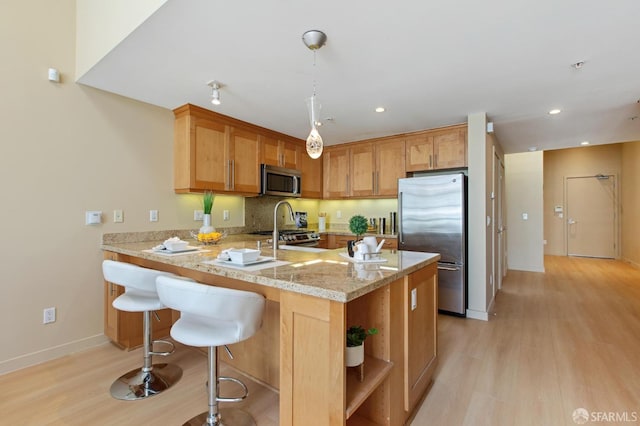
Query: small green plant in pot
x,y
356,336
207,204
358,225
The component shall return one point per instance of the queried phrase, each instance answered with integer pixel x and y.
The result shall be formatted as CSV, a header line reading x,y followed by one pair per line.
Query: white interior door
x,y
591,216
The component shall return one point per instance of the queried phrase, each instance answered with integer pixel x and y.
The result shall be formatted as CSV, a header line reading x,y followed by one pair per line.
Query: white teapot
x,y
361,251
374,247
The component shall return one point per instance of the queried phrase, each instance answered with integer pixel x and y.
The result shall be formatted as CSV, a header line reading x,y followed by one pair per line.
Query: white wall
x,y
101,25
478,208
66,149
524,185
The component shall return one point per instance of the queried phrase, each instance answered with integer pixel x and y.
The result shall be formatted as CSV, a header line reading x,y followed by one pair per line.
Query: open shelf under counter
x,y
375,371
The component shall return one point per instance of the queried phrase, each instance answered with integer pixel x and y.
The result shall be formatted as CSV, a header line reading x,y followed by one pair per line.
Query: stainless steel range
x,y
295,237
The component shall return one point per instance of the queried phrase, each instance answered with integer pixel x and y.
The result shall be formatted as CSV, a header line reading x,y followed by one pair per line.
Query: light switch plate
x,y
414,299
118,216
153,215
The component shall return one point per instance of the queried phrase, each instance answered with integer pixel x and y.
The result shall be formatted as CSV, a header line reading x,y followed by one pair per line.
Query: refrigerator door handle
x,y
448,268
399,221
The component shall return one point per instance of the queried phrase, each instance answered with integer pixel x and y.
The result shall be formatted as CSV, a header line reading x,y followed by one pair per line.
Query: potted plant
x,y
358,225
356,336
207,204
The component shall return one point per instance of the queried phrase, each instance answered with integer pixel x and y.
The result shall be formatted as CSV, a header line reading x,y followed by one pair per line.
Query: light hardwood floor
x,y
558,341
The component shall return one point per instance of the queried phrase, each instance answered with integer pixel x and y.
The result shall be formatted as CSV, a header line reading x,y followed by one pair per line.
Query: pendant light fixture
x,y
314,40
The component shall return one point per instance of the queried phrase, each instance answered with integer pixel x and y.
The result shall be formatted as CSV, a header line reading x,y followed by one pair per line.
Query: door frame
x,y
616,211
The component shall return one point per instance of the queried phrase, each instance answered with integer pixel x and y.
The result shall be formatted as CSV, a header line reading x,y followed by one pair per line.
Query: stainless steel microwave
x,y
280,181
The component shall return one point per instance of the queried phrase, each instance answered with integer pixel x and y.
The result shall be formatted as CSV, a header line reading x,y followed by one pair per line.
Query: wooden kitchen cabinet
x,y
311,175
280,153
365,169
338,241
362,170
244,162
221,154
336,172
420,334
390,166
125,328
437,149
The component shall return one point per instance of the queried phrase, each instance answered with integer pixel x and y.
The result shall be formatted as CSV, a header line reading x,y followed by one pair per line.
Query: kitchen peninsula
x,y
312,298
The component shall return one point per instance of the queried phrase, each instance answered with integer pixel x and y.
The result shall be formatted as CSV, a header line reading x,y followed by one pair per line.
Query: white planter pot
x,y
206,224
355,355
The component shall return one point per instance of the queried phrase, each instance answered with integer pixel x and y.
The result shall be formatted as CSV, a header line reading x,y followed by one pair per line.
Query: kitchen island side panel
x,y
312,373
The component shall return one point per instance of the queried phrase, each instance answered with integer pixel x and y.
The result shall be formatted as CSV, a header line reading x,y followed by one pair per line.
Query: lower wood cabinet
x,y
125,328
339,241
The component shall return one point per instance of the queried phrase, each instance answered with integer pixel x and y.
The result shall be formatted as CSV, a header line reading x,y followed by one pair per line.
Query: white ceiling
x,y
428,62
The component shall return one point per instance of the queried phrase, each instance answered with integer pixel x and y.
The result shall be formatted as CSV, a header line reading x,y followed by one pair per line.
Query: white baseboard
x,y
49,354
483,316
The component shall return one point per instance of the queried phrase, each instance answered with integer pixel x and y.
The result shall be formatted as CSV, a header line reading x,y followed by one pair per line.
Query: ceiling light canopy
x,y
555,111
215,91
584,143
380,109
314,40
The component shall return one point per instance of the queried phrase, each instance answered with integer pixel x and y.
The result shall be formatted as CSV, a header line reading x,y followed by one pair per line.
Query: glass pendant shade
x,y
314,144
314,140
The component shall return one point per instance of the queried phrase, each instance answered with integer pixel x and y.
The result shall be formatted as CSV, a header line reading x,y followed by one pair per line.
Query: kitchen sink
x,y
301,248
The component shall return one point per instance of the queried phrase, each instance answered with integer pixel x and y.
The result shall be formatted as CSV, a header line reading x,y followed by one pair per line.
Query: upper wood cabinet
x,y
280,153
336,172
244,162
444,148
311,175
364,169
219,153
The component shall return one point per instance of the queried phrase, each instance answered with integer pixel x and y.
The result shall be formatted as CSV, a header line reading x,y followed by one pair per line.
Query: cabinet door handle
x,y
373,182
233,174
436,162
430,162
228,179
111,289
378,183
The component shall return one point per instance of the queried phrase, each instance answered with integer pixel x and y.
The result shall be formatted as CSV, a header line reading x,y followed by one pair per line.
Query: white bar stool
x,y
141,296
211,317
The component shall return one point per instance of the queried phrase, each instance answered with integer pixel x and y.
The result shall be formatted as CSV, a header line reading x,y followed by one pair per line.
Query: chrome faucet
x,y
275,223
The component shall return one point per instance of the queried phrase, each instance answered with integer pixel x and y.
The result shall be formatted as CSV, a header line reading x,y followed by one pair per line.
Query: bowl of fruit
x,y
209,238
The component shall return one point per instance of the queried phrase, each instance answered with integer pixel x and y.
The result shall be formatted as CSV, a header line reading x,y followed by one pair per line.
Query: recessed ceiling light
x,y
578,65
380,109
554,111
584,143
532,148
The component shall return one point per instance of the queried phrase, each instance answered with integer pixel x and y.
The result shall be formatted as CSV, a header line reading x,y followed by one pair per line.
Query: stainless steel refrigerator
x,y
432,218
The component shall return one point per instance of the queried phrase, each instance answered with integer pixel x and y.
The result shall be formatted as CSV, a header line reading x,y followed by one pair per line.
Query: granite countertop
x,y
325,274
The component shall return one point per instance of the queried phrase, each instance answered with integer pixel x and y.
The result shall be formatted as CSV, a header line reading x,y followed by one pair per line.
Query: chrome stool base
x,y
228,417
136,384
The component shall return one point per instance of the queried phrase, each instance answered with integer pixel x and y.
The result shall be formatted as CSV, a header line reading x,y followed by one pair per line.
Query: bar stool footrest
x,y
234,380
163,342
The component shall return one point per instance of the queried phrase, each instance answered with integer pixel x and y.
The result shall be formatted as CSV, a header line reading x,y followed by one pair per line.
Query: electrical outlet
x,y
153,215
339,214
49,315
118,216
198,215
414,299
225,215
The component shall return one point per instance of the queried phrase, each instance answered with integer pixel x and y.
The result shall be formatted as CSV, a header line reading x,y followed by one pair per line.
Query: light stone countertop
x,y
327,275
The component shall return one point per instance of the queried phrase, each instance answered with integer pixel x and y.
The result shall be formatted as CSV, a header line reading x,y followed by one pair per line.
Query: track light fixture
x,y
215,91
